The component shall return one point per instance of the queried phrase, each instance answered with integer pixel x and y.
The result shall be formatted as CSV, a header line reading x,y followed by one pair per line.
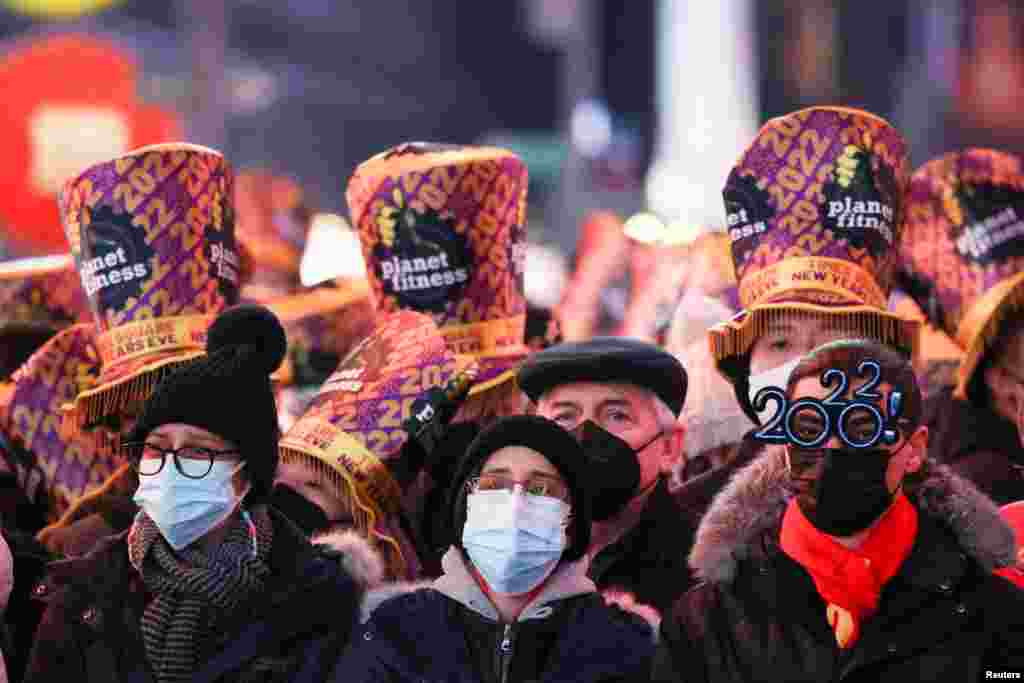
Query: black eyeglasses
x,y
194,462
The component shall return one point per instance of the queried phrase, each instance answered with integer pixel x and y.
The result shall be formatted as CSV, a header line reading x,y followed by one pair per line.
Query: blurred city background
x,y
631,106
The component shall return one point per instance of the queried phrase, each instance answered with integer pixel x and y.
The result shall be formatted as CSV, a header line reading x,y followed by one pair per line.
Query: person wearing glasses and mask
x,y
138,333
812,235
209,583
514,602
843,552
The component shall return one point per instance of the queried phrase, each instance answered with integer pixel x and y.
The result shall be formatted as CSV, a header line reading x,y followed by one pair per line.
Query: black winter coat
x,y
91,630
758,616
977,443
427,636
23,613
649,560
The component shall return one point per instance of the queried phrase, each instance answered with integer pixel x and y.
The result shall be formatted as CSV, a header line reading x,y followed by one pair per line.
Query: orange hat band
x,y
829,280
346,456
503,335
981,324
150,337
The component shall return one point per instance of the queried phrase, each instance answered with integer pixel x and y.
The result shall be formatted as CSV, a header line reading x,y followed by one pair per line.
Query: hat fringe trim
x,y
89,502
93,405
736,337
999,304
365,512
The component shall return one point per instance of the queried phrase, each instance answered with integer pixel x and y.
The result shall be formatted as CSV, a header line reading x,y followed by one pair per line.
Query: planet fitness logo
x,y
115,259
988,223
421,260
748,208
859,201
222,254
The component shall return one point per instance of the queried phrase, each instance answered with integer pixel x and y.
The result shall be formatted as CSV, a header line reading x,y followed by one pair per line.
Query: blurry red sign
x,y
70,102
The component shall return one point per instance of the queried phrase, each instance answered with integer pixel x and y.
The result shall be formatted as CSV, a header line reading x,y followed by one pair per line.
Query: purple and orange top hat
x,y
815,207
443,232
41,294
153,236
30,413
353,428
964,240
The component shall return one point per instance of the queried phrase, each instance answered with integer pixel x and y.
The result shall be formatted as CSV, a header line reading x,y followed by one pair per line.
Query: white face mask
x,y
776,377
514,540
186,509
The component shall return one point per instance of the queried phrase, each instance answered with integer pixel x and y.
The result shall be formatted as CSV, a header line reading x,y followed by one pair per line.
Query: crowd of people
x,y
212,473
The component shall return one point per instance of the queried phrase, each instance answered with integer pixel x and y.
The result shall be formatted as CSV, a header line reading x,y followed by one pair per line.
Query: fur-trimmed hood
x,y
753,503
358,557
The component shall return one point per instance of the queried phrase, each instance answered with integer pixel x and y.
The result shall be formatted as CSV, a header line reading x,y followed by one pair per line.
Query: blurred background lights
x,y
645,228
547,273
332,251
591,128
682,232
58,9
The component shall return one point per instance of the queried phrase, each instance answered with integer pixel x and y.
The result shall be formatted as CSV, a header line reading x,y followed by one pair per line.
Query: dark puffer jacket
x,y
649,561
450,632
977,443
758,617
91,628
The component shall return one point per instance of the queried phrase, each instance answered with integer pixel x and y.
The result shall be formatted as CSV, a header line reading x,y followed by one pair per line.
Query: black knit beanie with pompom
x,y
228,391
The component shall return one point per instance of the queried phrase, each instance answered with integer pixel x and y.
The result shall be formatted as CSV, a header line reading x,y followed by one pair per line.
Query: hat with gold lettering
x,y
30,414
815,207
443,232
40,294
153,236
353,430
963,246
38,297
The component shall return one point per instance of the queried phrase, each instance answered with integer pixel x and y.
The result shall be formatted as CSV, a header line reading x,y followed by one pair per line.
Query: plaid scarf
x,y
195,591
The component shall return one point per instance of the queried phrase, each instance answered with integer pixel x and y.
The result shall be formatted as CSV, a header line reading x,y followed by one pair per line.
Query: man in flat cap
x,y
622,398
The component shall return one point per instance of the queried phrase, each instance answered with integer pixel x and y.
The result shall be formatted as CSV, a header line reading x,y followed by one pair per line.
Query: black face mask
x,y
848,494
305,514
612,466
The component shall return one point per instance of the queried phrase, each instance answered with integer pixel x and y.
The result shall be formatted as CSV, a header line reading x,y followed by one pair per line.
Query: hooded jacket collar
x,y
752,504
457,583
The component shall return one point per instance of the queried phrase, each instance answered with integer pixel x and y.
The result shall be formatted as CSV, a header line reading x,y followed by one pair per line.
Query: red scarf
x,y
850,581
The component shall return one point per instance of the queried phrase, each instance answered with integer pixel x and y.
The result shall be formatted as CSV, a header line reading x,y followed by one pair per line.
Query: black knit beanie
x,y
228,391
548,439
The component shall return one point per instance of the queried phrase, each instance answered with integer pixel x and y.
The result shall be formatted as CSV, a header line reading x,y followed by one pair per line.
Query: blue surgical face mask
x,y
514,540
186,509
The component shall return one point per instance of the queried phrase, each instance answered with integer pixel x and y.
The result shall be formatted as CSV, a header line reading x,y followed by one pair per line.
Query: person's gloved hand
x,y
77,538
428,426
432,412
